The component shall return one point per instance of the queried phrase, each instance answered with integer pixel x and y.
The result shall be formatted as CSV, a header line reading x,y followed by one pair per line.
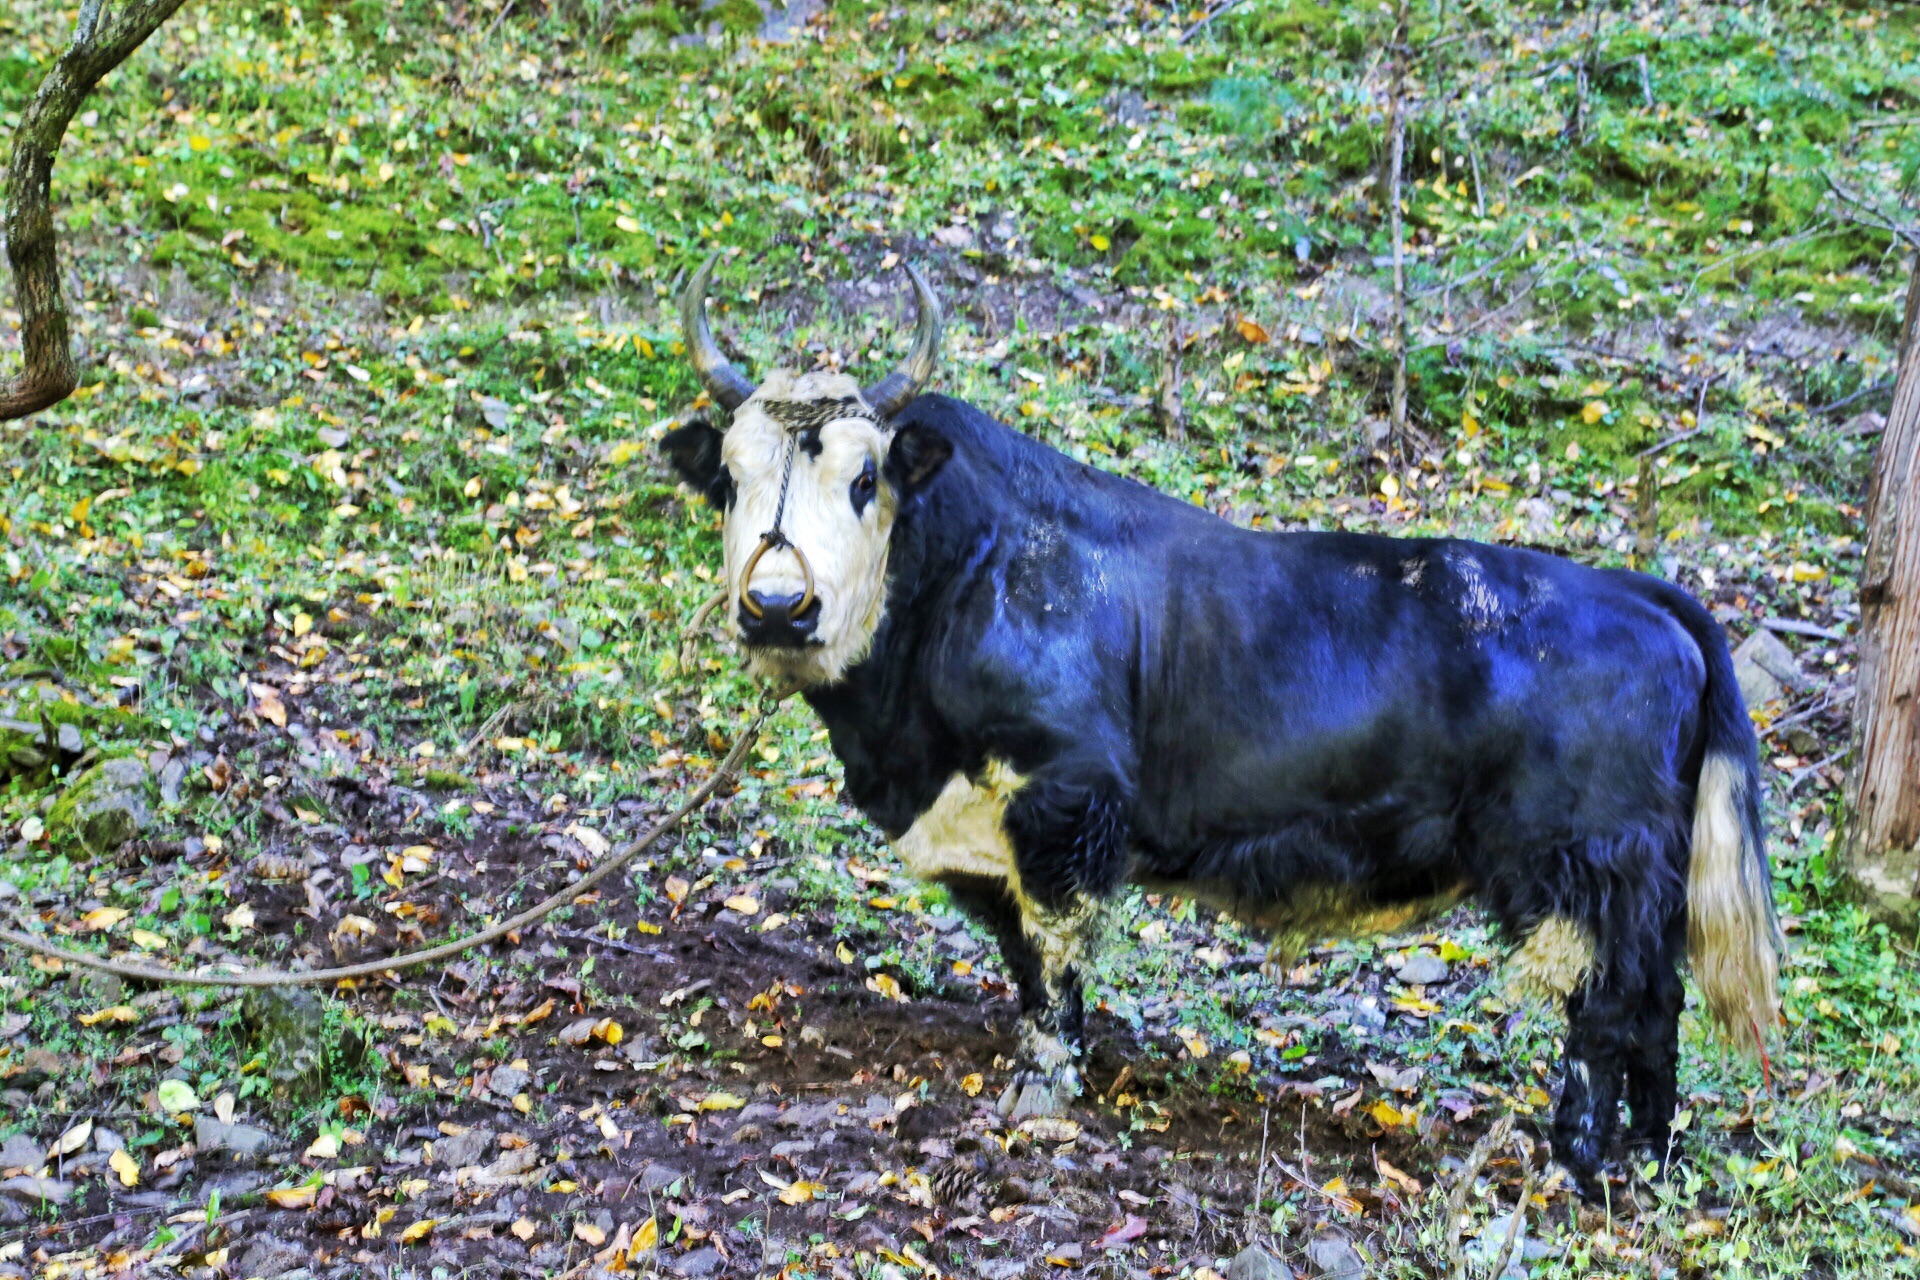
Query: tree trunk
x,y
1883,790
100,43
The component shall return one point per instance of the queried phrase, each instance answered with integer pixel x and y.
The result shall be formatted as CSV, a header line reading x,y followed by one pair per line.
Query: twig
x,y
1209,16
727,769
1450,285
1301,1178
1870,214
1397,127
1795,627
498,18
1771,246
1884,384
1483,1150
1519,1218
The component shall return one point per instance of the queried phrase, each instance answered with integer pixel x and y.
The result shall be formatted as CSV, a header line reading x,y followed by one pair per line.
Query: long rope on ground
x,y
728,768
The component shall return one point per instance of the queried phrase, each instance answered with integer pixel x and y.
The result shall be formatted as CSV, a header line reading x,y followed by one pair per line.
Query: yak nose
x,y
781,622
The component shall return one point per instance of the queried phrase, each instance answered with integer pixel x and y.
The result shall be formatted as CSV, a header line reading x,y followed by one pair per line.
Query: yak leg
x,y
1653,1053
1600,1023
1039,954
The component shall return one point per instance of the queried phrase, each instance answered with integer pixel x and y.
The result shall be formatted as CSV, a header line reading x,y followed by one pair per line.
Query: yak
x,y
1046,682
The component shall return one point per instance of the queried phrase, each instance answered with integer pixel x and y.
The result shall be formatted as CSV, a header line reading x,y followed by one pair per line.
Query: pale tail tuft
x,y
1733,939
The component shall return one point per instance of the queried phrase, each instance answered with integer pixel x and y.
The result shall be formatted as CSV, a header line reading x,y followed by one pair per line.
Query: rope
x,y
728,768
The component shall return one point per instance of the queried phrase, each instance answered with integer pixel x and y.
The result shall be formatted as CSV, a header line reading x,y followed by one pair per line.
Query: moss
x,y
102,808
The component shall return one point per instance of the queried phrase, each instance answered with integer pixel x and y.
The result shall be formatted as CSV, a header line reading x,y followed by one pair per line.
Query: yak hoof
x,y
1035,1093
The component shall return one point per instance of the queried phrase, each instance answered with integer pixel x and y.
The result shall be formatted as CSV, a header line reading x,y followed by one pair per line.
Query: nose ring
x,y
769,541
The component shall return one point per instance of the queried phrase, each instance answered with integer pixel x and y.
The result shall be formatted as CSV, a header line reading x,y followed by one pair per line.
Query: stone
x,y
505,1082
22,1152
103,808
1336,1259
1422,970
71,743
287,1026
1766,669
657,1177
701,1262
463,1150
34,1191
1255,1263
210,1134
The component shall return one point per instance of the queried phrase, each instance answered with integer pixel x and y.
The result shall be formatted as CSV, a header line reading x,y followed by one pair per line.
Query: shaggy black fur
x,y
1256,715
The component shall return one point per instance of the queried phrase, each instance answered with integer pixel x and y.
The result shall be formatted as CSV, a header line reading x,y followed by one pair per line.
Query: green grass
x,y
424,261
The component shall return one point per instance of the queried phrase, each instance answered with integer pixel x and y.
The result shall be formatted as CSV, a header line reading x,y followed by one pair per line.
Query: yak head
x,y
808,476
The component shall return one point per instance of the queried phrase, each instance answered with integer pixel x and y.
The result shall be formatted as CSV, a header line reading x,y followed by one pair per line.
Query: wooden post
x,y
1396,154
101,42
1882,846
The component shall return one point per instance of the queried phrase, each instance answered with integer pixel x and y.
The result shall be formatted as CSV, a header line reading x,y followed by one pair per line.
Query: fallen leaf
x,y
241,917
722,1101
267,704
73,1139
117,1013
887,985
523,1229
126,1166
325,1147
1252,331
223,1108
103,918
646,1236
177,1096
1129,1229
608,1030
148,940
418,1231
677,890
973,1084
1406,1182
801,1192
1196,1043
745,905
588,1233
293,1197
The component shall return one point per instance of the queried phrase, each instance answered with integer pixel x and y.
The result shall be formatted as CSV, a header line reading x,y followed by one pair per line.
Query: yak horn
x,y
726,384
891,394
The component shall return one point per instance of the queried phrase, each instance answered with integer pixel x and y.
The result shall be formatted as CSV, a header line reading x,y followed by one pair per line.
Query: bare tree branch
x,y
101,42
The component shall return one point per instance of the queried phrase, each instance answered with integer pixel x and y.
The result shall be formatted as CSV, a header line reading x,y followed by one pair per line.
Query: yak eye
x,y
863,486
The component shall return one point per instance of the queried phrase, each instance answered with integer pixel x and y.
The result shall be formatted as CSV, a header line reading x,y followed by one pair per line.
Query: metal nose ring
x,y
769,541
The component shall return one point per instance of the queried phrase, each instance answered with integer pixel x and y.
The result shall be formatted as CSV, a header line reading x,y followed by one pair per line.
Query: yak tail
x,y
1733,937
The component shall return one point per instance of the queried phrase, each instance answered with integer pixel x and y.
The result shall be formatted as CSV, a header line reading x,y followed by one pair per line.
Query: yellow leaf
x,y
1387,1114
417,1232
745,904
588,1233
1252,331
801,1192
1099,242
1196,1043
887,985
325,1147
973,1084
126,1166
844,952
677,890
524,1229
564,1187
522,1103
103,918
609,1030
1595,410
199,142
722,1101
73,1139
645,926
627,224
646,1236
118,1013
293,1197
148,940
773,1042
241,917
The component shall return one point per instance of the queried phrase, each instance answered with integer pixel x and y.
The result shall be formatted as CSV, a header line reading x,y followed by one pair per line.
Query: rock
x,y
238,1139
104,807
1766,669
70,740
1001,1268
22,1152
505,1082
106,1141
462,1150
657,1177
701,1262
171,777
35,1191
1255,1263
1336,1259
288,1027
1484,1249
270,1257
1422,970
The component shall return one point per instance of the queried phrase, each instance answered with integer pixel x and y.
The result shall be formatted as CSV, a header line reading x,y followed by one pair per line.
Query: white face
x,y
839,513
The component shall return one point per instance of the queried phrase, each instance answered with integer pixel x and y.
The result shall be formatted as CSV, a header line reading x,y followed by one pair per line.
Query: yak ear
x,y
917,452
695,452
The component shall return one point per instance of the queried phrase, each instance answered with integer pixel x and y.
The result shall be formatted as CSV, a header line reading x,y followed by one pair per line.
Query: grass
x,y
374,303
